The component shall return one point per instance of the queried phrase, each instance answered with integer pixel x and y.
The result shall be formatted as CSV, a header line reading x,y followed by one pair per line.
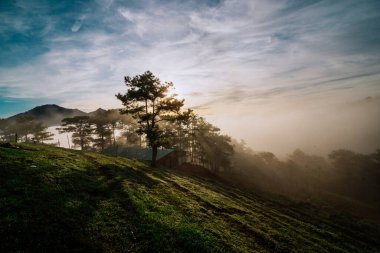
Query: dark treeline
x,y
98,131
24,129
190,134
345,178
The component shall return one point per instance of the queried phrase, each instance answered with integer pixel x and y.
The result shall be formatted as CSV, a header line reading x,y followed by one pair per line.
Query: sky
x,y
280,74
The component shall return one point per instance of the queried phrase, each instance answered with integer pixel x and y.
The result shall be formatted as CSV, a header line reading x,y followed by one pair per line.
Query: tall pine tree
x,y
148,100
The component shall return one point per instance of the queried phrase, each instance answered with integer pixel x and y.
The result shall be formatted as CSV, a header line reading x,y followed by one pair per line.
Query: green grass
x,y
58,200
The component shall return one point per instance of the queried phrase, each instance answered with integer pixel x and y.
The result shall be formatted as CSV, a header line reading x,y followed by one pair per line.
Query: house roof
x,y
137,153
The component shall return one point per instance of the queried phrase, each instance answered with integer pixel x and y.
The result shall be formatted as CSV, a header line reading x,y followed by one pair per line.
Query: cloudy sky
x,y
281,74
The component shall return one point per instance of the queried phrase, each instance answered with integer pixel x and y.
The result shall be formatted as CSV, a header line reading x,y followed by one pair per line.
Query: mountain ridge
x,y
52,114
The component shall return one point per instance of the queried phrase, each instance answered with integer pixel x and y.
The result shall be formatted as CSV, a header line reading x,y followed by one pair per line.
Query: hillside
x,y
59,200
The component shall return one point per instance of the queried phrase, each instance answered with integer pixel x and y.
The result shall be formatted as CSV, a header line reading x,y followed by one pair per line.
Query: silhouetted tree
x,y
7,130
147,99
376,157
25,125
208,146
41,135
116,121
102,130
130,136
82,129
357,175
21,127
343,160
2,129
179,132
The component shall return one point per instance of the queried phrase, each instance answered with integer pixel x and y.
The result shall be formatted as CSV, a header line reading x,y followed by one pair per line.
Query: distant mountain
x,y
50,115
99,110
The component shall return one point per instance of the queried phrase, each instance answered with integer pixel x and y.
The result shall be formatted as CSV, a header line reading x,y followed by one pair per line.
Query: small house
x,y
165,157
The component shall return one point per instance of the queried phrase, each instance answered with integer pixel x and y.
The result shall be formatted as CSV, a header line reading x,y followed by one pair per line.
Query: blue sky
x,y
259,69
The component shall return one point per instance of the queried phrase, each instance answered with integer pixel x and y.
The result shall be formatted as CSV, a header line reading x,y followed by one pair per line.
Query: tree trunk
x,y
68,142
113,135
154,155
81,143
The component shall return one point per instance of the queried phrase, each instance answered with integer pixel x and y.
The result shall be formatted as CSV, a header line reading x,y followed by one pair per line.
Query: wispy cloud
x,y
252,43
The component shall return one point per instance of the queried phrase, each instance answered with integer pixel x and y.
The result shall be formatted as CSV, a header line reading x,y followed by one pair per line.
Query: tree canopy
x,y
22,128
149,101
82,130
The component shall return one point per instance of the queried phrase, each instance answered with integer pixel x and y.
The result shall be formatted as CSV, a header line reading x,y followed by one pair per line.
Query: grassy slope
x,y
59,200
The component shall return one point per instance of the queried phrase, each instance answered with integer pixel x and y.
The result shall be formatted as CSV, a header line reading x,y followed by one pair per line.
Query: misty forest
x,y
257,155
153,118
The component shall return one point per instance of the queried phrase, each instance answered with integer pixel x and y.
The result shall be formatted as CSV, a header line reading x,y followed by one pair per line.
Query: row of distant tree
x,y
24,129
94,132
99,131
344,173
201,141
